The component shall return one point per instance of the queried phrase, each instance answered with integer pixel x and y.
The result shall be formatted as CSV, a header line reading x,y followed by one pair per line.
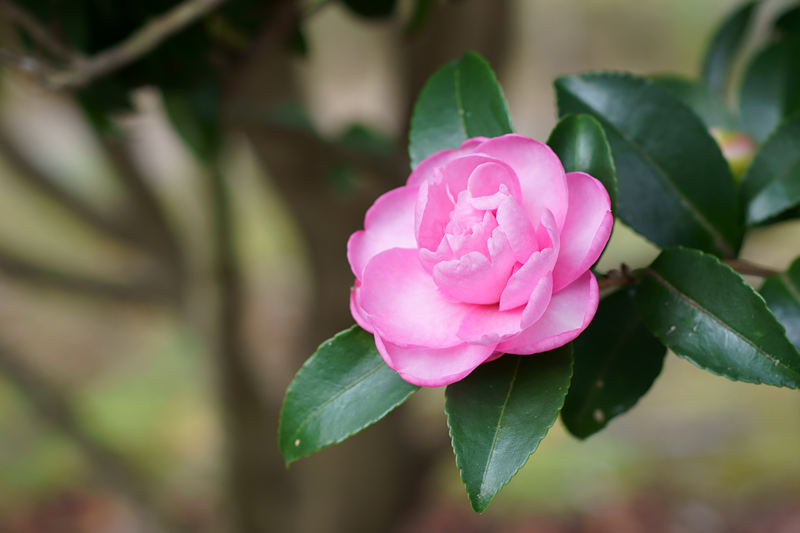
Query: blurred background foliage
x,y
172,248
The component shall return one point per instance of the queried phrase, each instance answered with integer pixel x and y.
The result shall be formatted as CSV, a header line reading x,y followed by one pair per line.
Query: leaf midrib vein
x,y
334,397
459,101
719,321
499,423
720,242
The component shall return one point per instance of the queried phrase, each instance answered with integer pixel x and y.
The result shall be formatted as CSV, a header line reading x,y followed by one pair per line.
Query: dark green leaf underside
x,y
675,187
706,313
771,184
498,415
616,361
782,293
344,387
461,100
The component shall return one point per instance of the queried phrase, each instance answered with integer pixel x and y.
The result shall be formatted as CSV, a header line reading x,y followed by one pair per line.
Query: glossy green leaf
x,y
675,187
705,312
617,359
707,105
344,387
725,44
371,8
771,184
461,100
498,415
782,293
771,88
581,144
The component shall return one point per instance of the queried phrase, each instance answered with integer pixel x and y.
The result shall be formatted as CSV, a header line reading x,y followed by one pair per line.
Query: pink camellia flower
x,y
485,251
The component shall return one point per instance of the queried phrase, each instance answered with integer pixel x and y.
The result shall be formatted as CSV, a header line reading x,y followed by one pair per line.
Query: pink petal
x,y
356,310
403,304
474,278
424,171
586,229
476,241
487,178
570,311
442,253
547,233
432,213
469,146
487,325
490,203
457,173
539,171
539,301
389,223
428,367
518,229
521,284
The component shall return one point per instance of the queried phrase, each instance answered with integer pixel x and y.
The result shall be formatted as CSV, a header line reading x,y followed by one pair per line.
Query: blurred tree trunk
x,y
368,483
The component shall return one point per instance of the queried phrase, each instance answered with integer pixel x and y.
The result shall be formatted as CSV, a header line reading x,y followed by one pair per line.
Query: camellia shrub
x,y
478,274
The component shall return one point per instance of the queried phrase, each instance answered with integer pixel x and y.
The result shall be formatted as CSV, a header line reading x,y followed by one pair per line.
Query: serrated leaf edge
x,y
473,503
675,291
346,436
720,242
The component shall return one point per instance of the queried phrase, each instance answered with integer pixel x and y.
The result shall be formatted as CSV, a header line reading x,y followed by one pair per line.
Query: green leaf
x,y
423,9
675,187
371,8
789,21
724,46
363,139
771,88
581,144
344,387
617,359
771,184
782,293
500,412
705,312
708,106
461,100
195,114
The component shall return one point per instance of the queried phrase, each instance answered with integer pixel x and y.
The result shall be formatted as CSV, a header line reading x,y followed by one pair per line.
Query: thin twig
x,y
750,269
112,468
26,271
619,278
81,71
20,18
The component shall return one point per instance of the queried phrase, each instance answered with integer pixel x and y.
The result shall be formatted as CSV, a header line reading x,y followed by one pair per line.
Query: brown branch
x,y
26,271
624,276
749,269
113,469
81,71
617,278
20,18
